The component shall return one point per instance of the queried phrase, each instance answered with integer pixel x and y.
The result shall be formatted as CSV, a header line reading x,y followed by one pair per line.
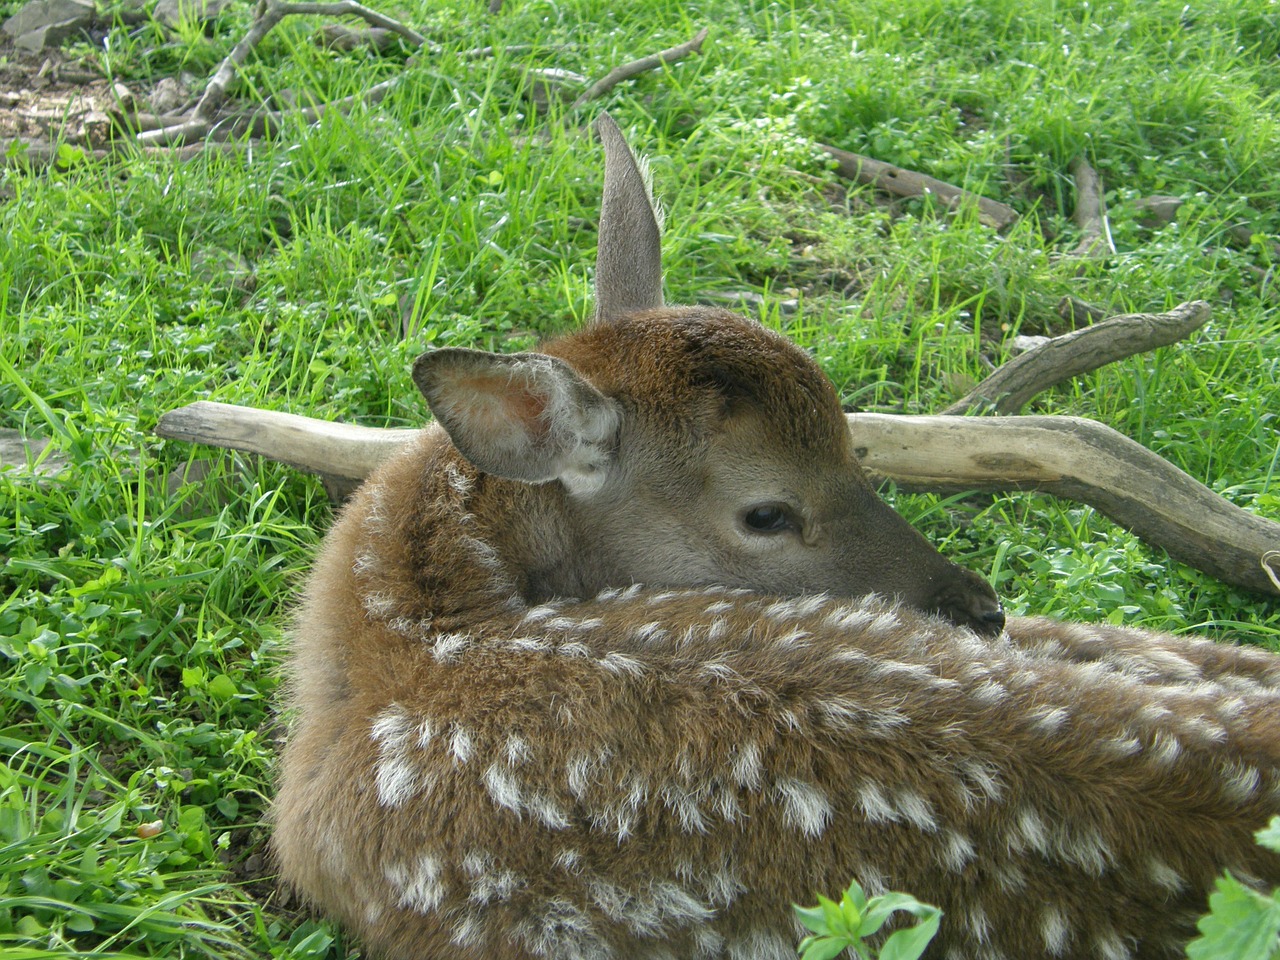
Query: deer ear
x,y
523,416
629,255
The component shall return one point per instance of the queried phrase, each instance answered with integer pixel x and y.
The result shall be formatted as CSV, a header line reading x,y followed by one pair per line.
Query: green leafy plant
x,y
1241,924
846,925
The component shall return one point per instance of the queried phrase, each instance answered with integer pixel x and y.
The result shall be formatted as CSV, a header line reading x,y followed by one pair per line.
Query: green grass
x,y
140,624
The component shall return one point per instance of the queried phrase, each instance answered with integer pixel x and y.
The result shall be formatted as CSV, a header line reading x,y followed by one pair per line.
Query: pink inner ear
x,y
528,407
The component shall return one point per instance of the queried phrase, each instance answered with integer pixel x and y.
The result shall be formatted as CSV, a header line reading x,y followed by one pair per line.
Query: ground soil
x,y
48,98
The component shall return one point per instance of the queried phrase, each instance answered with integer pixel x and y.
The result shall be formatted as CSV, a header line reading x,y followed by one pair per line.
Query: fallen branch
x,y
629,70
1160,210
908,183
1081,460
269,14
1091,213
1076,312
40,154
1066,456
1013,384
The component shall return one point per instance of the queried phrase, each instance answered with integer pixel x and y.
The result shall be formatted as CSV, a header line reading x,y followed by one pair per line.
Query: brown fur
x,y
494,756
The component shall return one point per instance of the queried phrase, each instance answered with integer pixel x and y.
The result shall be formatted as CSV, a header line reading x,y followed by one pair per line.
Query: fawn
x,y
503,745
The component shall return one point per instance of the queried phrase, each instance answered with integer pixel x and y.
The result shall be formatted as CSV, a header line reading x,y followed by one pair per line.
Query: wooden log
x,y
908,183
1066,456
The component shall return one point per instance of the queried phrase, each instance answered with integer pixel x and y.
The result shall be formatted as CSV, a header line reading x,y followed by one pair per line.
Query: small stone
x,y
169,95
173,13
542,86
42,24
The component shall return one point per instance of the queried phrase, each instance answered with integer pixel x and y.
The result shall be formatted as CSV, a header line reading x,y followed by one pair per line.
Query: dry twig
x,y
629,70
1013,384
203,118
908,183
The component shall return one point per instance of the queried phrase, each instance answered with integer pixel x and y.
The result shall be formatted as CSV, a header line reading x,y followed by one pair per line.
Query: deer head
x,y
686,446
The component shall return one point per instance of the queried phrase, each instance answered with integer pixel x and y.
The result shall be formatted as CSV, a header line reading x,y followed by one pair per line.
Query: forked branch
x,y
1012,384
269,14
1067,456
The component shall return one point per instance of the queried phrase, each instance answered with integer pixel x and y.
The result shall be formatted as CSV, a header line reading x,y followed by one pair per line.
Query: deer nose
x,y
992,621
972,603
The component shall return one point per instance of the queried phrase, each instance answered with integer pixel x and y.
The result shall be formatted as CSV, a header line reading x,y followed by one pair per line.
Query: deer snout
x,y
969,601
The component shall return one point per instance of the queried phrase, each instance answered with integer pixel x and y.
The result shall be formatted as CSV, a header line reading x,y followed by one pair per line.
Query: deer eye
x,y
769,518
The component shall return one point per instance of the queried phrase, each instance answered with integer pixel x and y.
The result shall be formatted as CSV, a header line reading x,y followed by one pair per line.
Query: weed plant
x,y
141,616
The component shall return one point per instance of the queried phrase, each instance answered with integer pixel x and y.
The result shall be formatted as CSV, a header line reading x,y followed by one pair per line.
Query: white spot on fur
x,y
1010,877
579,771
1165,749
957,851
620,663
1108,945
1029,831
1089,850
547,811
707,943
723,886
1204,729
746,767
716,670
396,782
793,638
651,632
1164,876
488,883
916,810
518,751
719,606
379,605
761,945
651,911
1049,719
543,612
395,778
684,804
1123,746
848,618
875,806
460,744
804,806
984,777
840,714
884,623
503,788
1240,782
1055,930
417,885
991,692
467,932
448,647
979,927
561,930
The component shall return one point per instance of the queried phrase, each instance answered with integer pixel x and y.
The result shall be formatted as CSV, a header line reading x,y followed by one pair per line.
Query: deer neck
x,y
467,546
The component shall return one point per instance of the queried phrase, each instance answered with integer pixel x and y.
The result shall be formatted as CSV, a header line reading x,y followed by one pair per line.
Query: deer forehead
x,y
702,371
